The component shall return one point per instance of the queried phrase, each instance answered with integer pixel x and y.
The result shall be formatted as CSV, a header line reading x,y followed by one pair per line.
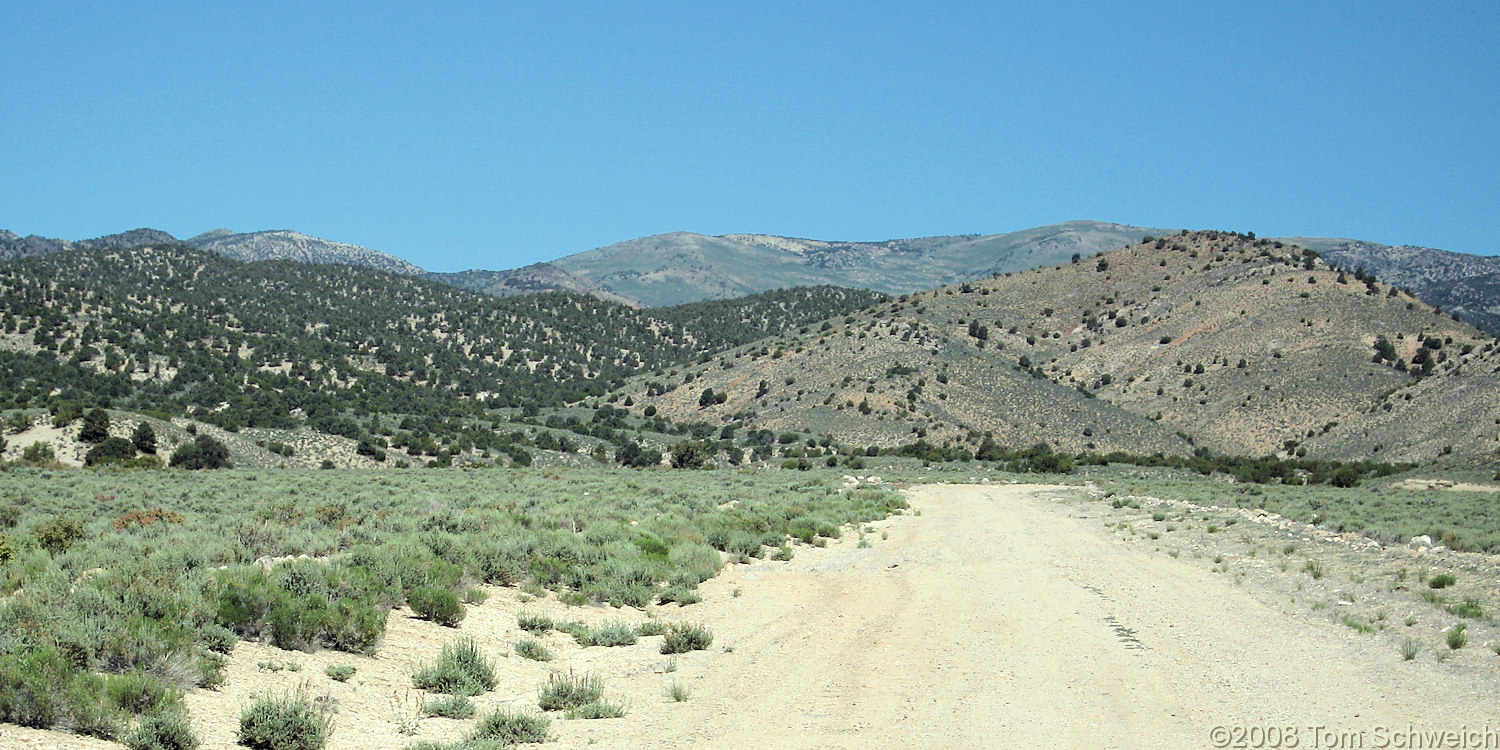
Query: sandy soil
x,y
996,618
1444,484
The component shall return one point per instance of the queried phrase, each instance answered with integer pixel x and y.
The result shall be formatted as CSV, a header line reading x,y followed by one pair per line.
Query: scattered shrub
x,y
512,727
165,731
1409,649
533,623
597,710
339,672
451,707
530,649
1458,636
460,670
283,722
678,692
1442,581
682,638
438,605
563,692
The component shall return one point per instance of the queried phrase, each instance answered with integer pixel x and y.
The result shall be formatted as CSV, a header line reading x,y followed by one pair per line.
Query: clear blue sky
x,y
492,135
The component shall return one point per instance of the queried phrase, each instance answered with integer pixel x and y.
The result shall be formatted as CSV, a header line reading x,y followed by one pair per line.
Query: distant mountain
x,y
284,244
538,277
1456,282
249,246
14,246
668,269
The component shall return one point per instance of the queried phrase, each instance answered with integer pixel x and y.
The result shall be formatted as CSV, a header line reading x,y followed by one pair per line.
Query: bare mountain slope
x,y
1454,415
284,244
1456,282
680,267
887,379
1243,344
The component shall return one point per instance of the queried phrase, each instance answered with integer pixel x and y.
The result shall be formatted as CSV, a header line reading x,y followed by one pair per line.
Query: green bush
x,y
438,605
7,549
451,707
529,649
532,622
597,710
165,731
287,722
203,453
58,535
683,637
1442,580
512,727
31,687
460,670
113,449
567,691
217,638
339,672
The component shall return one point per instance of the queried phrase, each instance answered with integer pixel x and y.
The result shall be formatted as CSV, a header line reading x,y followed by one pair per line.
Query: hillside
x,y
680,267
284,244
172,330
1250,346
537,277
250,246
1456,282
1208,339
1453,416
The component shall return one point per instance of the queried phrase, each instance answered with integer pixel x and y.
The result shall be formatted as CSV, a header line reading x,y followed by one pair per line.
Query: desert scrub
x,y
451,707
1410,648
339,672
678,692
152,598
283,722
563,692
597,710
1442,581
683,637
527,648
167,731
438,605
532,622
45,688
509,727
1458,636
613,633
460,670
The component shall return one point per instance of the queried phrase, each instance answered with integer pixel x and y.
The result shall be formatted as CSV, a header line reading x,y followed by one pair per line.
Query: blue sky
x,y
493,135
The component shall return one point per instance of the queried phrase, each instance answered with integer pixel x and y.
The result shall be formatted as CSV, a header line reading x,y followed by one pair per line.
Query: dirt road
x,y
998,618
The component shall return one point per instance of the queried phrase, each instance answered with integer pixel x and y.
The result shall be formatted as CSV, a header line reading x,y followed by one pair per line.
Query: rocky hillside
x,y
680,267
250,246
1207,339
1456,282
14,246
1454,415
1250,346
284,244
